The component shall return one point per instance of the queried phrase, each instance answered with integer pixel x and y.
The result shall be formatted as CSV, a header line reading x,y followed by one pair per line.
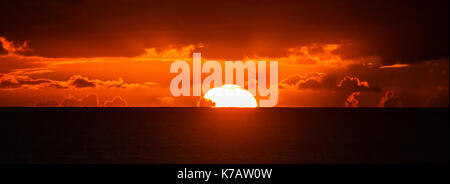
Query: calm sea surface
x,y
208,135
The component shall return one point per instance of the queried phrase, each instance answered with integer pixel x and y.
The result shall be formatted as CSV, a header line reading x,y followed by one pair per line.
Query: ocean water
x,y
223,135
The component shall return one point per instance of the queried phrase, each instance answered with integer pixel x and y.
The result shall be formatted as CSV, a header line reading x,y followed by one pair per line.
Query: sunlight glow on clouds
x,y
313,75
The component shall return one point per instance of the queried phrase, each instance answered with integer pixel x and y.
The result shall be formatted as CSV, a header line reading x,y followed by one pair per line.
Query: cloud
x,y
390,99
354,84
317,82
310,80
14,48
314,54
81,82
328,61
291,80
325,83
88,101
395,66
117,101
8,81
322,81
171,53
351,100
12,81
14,61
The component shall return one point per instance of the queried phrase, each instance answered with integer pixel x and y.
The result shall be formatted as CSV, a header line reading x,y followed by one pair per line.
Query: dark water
x,y
205,135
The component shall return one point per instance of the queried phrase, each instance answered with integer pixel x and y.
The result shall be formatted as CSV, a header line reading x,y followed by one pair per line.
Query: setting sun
x,y
231,96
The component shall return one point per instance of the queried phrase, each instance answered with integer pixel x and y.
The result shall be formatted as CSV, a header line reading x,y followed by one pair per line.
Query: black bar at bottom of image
x,y
226,173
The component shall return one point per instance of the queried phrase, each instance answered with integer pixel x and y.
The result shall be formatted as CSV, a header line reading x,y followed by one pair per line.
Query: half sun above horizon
x,y
229,96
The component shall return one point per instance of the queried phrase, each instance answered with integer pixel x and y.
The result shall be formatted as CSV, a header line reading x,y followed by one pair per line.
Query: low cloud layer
x,y
322,81
77,81
91,100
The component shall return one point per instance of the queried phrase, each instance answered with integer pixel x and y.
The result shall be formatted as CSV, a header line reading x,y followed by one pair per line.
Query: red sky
x,y
331,54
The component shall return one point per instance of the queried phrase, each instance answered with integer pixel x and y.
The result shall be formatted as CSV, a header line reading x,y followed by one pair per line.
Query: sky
x,y
330,53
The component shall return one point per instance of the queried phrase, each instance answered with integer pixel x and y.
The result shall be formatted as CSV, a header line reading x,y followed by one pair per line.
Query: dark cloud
x,y
390,99
321,81
8,81
81,82
354,84
397,31
11,81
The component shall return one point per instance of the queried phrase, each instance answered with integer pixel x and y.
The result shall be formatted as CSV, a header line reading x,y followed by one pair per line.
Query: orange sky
x,y
125,56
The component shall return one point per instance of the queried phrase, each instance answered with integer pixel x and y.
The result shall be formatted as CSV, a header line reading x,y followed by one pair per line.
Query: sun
x,y
230,96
